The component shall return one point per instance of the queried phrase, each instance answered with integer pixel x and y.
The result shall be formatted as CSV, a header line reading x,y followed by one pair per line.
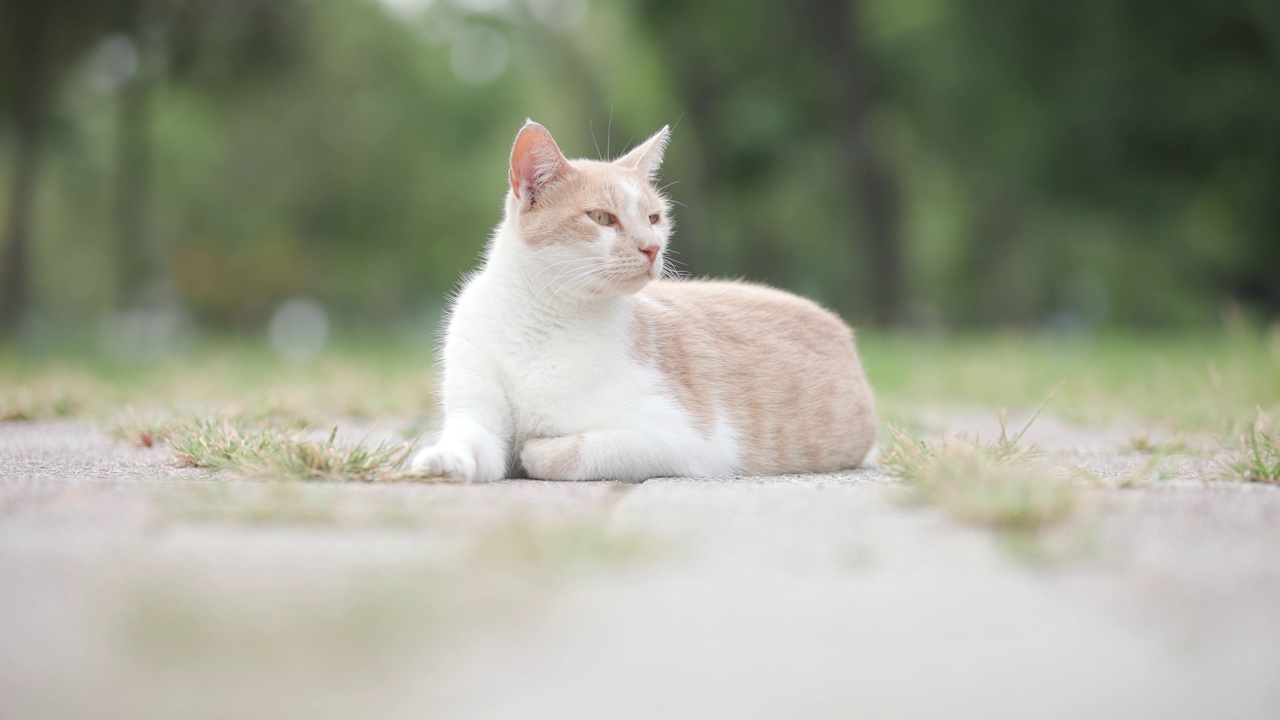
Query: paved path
x,y
130,588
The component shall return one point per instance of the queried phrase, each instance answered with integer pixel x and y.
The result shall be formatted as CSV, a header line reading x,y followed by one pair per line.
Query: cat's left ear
x,y
536,161
646,158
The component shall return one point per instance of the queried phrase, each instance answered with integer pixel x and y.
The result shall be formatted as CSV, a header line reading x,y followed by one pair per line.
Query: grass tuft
x,y
41,401
156,426
270,449
1144,443
990,484
142,429
1256,457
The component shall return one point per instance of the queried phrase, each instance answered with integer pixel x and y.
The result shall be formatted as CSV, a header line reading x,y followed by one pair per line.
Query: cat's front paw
x,y
557,458
452,460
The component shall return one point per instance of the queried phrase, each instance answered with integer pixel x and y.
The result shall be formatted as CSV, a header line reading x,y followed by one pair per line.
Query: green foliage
x,y
1071,165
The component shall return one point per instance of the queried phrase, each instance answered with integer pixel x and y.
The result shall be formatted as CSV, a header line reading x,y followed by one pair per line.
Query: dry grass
x,y
54,394
156,426
995,484
268,448
142,428
1156,469
1146,444
1256,456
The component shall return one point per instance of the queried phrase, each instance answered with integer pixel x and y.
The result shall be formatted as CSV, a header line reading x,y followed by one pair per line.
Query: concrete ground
x,y
132,588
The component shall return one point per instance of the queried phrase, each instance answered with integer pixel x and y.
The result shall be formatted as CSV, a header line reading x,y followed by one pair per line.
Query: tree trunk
x,y
994,298
31,39
134,264
869,178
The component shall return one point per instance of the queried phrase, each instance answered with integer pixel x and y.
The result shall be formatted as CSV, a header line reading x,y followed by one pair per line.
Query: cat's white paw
x,y
553,458
452,460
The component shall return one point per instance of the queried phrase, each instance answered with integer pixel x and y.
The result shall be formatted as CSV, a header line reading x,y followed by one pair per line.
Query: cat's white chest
x,y
562,382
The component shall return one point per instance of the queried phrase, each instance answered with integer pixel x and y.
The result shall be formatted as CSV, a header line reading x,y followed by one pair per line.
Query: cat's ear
x,y
646,158
535,161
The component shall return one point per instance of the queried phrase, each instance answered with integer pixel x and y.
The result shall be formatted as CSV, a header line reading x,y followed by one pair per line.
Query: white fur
x,y
634,195
527,357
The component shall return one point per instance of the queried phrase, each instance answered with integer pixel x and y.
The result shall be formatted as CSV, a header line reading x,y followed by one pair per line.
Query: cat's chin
x,y
618,288
636,284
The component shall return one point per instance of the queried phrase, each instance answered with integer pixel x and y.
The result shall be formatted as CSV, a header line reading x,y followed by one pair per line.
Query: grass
x,y
1155,469
269,449
992,484
1190,383
49,394
368,378
148,428
1256,456
1144,443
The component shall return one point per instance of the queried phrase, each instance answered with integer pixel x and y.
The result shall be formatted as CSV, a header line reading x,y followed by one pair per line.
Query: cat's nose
x,y
651,251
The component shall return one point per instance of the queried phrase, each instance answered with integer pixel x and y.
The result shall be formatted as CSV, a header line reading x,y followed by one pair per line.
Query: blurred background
x,y
306,167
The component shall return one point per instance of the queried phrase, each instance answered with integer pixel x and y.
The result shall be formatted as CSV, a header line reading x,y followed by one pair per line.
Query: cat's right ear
x,y
536,160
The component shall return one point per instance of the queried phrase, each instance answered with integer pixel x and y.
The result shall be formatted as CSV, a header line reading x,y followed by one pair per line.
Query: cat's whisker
x,y
561,268
577,277
670,265
573,283
555,292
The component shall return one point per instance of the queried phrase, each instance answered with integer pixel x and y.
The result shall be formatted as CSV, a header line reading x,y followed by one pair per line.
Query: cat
x,y
567,357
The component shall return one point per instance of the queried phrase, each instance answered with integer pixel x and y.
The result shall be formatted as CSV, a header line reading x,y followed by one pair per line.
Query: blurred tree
x,y
762,83
838,25
215,47
1157,120
43,39
953,163
157,38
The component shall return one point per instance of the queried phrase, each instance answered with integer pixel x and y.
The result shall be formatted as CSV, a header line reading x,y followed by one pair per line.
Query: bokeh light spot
x,y
298,330
113,63
479,55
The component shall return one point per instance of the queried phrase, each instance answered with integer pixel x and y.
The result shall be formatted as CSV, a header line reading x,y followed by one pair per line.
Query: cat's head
x,y
589,228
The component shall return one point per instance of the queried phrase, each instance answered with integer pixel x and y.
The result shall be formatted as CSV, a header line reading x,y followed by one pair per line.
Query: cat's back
x,y
741,309
782,368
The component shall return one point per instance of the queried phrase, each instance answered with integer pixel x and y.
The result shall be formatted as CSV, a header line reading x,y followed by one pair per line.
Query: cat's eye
x,y
602,217
654,218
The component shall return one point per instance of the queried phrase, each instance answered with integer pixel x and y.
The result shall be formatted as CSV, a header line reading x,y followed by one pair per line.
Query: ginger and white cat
x,y
568,357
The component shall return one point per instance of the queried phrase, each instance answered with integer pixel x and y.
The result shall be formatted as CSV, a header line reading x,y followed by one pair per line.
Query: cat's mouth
x,y
642,277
